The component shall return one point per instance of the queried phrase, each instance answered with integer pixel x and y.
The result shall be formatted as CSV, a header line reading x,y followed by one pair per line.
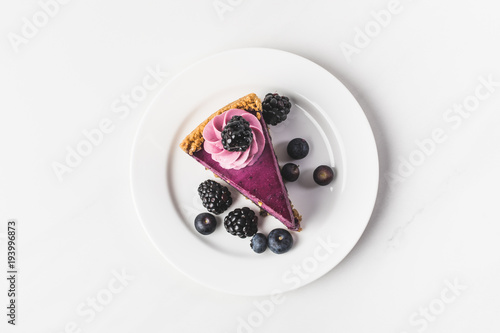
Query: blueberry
x,y
290,172
298,148
258,243
323,175
205,223
279,241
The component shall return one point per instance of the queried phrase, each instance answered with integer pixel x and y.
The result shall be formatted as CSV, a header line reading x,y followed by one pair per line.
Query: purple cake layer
x,y
261,182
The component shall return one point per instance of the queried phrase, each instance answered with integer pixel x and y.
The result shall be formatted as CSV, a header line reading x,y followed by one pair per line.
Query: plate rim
x,y
373,196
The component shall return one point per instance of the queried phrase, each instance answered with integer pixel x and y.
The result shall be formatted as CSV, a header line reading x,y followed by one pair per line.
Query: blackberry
x,y
275,108
241,222
237,135
215,197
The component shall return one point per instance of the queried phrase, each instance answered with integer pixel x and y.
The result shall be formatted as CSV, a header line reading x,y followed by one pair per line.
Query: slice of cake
x,y
234,143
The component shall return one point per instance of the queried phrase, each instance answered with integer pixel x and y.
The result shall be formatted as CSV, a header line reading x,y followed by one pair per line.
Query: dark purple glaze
x,y
261,182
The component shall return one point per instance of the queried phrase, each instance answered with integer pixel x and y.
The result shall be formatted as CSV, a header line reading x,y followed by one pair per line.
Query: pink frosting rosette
x,y
233,159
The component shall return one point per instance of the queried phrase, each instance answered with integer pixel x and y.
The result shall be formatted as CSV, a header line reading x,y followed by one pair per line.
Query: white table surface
x,y
429,259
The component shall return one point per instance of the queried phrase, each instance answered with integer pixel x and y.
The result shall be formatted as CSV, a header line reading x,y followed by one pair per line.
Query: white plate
x,y
165,180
